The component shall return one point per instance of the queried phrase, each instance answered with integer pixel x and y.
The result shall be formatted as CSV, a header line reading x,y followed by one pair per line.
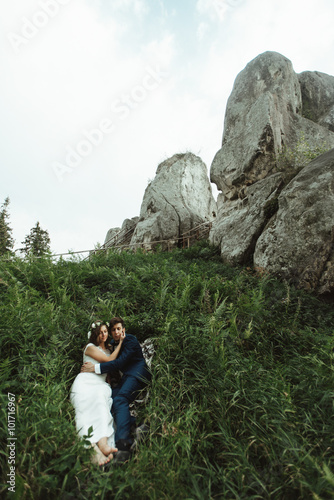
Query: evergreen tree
x,y
37,242
6,240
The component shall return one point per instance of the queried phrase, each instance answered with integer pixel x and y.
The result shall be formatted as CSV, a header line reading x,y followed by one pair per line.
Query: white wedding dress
x,y
91,397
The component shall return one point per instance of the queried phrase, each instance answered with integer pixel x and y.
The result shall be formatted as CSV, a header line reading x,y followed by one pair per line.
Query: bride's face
x,y
103,335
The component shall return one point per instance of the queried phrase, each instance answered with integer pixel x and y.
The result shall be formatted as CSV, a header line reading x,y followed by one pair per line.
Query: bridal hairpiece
x,y
94,325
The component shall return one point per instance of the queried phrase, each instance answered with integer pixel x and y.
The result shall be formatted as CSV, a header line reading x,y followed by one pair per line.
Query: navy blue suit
x,y
135,376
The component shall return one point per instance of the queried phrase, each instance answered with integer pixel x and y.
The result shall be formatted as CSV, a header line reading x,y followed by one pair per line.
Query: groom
x,y
135,375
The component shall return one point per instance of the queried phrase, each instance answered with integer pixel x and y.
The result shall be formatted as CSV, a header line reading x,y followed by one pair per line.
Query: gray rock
x,y
111,236
128,228
121,236
178,199
263,115
237,230
264,119
318,97
298,242
258,123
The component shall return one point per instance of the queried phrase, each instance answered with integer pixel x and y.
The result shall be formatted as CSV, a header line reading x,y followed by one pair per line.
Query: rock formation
x,y
263,115
120,236
298,242
258,114
177,200
276,206
111,236
271,110
238,227
318,97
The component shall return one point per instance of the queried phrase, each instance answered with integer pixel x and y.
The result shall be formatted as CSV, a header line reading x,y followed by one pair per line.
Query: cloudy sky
x,y
96,93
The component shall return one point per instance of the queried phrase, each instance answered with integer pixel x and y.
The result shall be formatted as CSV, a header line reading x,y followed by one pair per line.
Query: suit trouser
x,y
124,394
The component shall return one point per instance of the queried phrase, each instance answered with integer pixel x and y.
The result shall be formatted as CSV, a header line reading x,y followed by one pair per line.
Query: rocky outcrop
x,y
257,123
318,97
264,117
177,200
242,224
298,242
111,236
118,237
276,208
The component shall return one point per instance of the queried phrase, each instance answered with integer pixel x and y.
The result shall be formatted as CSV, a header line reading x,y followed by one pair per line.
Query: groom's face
x,y
116,331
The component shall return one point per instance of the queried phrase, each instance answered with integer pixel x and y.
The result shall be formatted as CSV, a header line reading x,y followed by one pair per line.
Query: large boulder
x,y
267,139
257,119
177,200
238,228
263,115
121,236
318,97
111,236
298,242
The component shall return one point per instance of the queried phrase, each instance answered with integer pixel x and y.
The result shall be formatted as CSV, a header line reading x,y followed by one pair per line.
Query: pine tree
x,y
37,242
6,240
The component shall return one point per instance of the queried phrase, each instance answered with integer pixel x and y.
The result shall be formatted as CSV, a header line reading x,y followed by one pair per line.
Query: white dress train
x,y
91,397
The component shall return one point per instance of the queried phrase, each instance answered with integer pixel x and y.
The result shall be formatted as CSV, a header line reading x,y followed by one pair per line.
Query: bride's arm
x,y
99,356
95,353
115,353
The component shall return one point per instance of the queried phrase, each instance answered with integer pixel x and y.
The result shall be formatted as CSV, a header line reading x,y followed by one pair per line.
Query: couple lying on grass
x,y
97,403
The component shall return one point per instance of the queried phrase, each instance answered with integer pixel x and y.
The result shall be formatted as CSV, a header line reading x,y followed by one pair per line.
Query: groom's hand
x,y
87,367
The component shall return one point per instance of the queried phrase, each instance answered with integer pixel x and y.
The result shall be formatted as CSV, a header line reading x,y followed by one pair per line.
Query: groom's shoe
x,y
124,451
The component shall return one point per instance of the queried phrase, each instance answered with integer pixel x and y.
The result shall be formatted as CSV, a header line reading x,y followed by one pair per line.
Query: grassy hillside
x,y
241,402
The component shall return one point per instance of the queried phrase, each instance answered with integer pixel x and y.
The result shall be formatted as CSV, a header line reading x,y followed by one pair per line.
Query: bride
x,y
91,396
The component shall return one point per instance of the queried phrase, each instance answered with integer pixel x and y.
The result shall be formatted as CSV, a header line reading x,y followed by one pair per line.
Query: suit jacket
x,y
130,360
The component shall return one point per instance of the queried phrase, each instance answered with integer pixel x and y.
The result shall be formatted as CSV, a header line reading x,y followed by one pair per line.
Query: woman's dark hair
x,y
95,330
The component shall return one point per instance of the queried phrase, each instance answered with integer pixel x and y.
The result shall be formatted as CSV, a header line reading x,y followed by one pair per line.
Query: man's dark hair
x,y
114,322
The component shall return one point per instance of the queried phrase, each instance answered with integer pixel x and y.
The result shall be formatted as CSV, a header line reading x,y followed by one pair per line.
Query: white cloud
x,y
161,50
214,9
202,30
138,7
93,53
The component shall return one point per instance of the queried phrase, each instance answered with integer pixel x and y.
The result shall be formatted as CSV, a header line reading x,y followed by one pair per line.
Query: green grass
x,y
241,401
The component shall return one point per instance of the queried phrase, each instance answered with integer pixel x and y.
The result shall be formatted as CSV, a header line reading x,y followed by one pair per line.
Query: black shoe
x,y
121,456
123,444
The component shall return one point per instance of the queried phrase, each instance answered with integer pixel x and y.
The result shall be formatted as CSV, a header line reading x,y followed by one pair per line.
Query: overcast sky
x,y
96,93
